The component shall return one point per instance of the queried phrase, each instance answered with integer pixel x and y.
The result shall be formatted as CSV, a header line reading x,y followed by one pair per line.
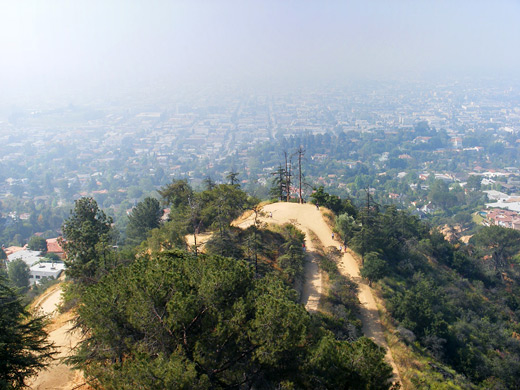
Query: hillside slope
x,y
58,375
309,219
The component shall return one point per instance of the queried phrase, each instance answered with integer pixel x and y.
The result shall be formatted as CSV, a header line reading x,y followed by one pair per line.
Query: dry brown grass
x,y
318,252
79,382
316,243
246,214
325,280
328,217
61,320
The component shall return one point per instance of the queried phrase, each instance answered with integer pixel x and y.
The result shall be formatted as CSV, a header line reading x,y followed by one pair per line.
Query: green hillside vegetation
x,y
173,320
24,345
164,316
458,305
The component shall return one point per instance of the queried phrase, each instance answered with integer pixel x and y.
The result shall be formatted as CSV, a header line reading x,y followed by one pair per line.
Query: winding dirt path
x,y
307,218
57,376
312,288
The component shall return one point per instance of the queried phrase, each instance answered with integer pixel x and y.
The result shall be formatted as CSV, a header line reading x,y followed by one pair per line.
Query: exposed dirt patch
x,y
309,219
58,375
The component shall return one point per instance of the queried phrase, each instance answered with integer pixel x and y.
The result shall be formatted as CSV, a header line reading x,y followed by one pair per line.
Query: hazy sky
x,y
52,46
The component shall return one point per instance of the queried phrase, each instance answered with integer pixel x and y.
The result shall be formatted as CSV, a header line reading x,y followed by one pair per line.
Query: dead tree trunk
x,y
301,152
288,164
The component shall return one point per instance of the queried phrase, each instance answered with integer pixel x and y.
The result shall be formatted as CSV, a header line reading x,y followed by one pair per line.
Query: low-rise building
x,y
45,270
39,266
53,246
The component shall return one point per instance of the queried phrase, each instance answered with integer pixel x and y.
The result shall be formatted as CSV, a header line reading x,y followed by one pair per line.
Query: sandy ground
x,y
307,218
291,213
57,375
201,240
48,302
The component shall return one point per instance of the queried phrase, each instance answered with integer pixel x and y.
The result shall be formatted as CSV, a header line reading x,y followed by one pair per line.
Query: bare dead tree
x,y
301,153
194,210
288,165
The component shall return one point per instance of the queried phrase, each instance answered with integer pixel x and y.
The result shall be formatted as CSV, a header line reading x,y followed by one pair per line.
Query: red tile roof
x,y
53,246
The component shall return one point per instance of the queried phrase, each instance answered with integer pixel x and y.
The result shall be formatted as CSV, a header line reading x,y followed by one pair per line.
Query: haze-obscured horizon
x,y
83,49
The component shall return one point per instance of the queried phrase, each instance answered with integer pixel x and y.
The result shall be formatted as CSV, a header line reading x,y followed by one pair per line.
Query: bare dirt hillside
x,y
58,375
308,218
312,288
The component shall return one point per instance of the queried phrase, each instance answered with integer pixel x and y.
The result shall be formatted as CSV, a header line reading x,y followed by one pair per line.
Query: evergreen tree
x,y
232,176
86,238
209,184
3,260
143,218
19,274
24,348
205,322
374,267
278,188
176,194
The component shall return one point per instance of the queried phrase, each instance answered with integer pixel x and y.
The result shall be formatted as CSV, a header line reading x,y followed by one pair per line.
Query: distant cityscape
x,y
119,153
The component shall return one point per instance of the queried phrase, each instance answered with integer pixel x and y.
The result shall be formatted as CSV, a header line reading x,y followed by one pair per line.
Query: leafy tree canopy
x,y
37,244
19,273
86,234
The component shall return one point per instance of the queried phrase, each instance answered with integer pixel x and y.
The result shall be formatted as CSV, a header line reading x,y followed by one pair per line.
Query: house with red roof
x,y
53,246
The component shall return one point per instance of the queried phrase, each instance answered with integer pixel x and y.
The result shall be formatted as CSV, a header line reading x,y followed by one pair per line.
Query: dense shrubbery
x,y
458,301
173,320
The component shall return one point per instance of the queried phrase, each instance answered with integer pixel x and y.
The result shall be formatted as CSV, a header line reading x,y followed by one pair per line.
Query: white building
x,y
29,257
39,266
45,270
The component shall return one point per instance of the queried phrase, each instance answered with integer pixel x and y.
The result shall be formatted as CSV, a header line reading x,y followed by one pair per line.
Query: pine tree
x,y
143,218
278,189
86,234
24,348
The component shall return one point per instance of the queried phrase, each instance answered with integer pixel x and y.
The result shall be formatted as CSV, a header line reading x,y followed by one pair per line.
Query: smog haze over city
x,y
142,92
349,171
81,50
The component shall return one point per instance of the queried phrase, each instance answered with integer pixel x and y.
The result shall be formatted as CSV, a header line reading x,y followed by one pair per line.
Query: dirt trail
x,y
57,375
307,218
48,302
312,287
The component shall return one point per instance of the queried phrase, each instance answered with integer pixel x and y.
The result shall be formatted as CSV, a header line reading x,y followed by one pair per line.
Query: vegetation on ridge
x,y
457,304
168,318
